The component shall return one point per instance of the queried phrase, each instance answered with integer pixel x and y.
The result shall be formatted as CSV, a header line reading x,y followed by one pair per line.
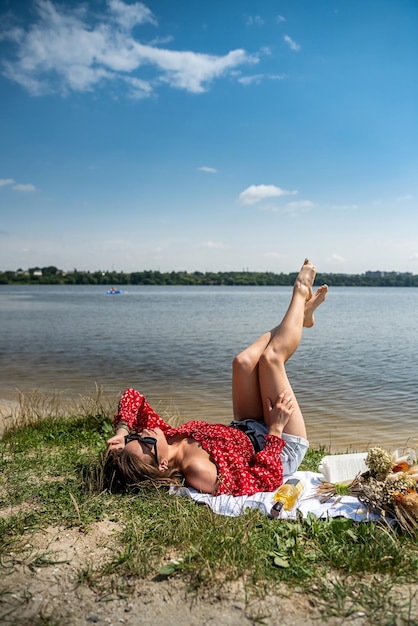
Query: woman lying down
x,y
265,441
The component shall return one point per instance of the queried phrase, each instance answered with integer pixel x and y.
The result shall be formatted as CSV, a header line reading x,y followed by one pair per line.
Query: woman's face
x,y
155,454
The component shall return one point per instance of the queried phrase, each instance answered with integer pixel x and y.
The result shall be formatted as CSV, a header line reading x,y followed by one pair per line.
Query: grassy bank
x,y
51,477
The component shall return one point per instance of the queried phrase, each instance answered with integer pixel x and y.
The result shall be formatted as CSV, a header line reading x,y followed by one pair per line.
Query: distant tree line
x,y
51,275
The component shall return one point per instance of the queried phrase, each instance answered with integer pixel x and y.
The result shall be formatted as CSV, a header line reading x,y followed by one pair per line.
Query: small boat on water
x,y
113,291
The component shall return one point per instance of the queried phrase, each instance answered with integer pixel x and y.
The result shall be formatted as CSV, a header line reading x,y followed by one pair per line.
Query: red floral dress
x,y
240,471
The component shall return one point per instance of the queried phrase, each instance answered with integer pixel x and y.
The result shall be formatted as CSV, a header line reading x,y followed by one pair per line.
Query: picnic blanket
x,y
346,506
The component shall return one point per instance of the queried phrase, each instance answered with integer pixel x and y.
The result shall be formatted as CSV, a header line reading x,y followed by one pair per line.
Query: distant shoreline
x,y
54,276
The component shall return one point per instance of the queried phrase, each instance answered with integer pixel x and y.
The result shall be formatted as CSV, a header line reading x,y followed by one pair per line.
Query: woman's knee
x,y
243,363
272,357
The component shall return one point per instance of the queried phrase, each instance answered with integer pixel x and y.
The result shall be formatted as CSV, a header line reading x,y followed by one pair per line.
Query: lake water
x,y
355,373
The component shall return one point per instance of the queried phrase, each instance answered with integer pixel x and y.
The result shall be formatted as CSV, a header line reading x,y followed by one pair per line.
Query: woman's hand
x,y
279,413
117,442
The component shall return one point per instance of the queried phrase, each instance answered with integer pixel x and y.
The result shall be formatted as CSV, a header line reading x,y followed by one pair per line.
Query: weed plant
x,y
51,475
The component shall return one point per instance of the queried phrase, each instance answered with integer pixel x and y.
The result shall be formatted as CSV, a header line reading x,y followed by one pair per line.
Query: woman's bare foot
x,y
305,279
310,306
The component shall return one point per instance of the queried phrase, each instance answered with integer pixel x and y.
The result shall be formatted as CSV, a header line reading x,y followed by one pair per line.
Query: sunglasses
x,y
148,441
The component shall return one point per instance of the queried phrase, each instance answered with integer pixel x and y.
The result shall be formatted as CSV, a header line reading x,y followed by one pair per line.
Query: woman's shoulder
x,y
198,470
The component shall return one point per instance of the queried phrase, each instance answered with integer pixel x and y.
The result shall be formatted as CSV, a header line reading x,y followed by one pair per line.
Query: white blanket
x,y
233,506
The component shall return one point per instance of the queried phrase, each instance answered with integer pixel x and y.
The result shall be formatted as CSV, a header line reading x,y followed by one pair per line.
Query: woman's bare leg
x,y
246,393
273,379
246,397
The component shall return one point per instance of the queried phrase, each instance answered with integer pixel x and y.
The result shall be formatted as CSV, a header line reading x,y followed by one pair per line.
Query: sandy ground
x,y
32,593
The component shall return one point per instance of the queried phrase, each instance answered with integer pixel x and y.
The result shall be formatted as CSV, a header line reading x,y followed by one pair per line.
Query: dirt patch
x,y
15,509
47,583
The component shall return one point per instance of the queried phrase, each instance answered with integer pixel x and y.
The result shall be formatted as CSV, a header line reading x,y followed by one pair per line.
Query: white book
x,y
337,468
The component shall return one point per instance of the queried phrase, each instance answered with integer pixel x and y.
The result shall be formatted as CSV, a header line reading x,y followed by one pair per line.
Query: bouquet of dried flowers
x,y
389,487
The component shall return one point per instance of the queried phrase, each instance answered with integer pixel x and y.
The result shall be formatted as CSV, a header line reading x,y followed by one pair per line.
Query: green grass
x,y
50,472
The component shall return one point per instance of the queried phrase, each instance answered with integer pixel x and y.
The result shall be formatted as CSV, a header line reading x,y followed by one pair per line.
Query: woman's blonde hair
x,y
125,469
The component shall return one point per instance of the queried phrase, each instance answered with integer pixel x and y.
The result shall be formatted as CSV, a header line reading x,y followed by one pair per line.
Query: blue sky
x,y
211,136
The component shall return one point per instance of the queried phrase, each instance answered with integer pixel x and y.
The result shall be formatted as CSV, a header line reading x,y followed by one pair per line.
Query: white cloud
x,y
249,80
138,88
300,204
208,170
292,44
214,244
338,258
254,20
257,78
27,187
189,70
64,50
17,186
256,193
159,41
129,15
290,208
280,19
404,198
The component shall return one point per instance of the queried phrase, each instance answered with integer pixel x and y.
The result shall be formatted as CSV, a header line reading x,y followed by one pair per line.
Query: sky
x,y
197,135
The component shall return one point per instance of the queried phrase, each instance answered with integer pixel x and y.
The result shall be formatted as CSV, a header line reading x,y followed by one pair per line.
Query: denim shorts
x,y
292,454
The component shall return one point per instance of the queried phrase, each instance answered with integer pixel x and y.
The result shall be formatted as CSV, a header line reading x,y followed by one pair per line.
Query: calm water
x,y
354,374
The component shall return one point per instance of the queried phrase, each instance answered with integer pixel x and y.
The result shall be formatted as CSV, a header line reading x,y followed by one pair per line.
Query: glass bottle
x,y
286,496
